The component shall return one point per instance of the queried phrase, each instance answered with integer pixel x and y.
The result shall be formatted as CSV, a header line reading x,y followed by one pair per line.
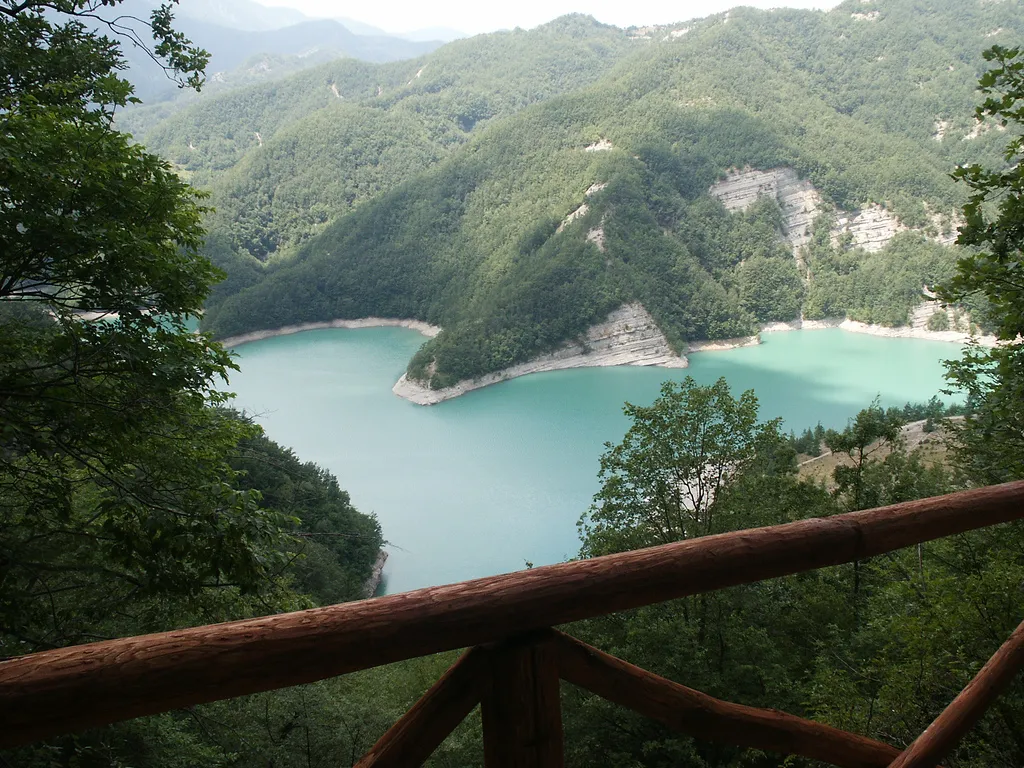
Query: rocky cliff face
x,y
376,575
870,228
798,199
629,336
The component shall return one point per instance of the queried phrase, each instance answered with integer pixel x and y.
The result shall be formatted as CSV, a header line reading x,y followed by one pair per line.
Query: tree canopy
x,y
991,442
110,432
117,456
662,482
131,498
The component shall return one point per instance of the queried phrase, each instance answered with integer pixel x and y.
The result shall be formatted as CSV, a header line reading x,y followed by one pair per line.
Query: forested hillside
x,y
441,190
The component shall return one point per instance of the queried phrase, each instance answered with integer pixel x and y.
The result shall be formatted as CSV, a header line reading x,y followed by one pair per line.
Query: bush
x,y
939,321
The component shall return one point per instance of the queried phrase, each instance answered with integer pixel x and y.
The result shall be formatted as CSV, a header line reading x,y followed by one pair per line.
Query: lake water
x,y
484,483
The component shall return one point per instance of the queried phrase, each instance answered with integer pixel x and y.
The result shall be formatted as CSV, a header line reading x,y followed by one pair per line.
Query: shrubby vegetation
x,y
991,443
879,646
811,441
881,287
332,545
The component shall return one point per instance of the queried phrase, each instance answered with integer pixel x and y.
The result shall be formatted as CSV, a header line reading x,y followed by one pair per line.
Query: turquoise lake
x,y
484,483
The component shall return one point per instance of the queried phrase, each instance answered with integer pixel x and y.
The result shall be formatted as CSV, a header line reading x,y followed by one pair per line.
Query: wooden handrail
x,y
69,689
698,714
942,736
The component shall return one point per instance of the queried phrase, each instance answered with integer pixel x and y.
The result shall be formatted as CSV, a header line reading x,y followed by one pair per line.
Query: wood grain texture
x,y
74,688
438,712
942,736
697,714
522,708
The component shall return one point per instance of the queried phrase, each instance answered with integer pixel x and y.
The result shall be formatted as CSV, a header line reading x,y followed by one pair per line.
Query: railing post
x,y
521,707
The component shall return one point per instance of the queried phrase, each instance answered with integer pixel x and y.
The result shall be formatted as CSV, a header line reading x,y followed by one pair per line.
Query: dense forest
x,y
458,188
134,499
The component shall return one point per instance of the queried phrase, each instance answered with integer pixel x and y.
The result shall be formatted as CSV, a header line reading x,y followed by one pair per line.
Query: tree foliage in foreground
x,y
991,442
660,484
114,452
131,499
878,647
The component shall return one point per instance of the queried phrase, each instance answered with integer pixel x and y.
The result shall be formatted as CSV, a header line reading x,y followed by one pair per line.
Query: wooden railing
x,y
516,659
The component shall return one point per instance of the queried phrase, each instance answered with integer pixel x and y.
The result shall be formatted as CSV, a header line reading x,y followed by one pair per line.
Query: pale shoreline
x,y
428,330
628,337
561,360
900,332
414,392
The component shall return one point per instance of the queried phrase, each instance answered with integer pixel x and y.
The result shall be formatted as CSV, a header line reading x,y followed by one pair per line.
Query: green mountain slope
x,y
283,159
492,243
213,134
461,85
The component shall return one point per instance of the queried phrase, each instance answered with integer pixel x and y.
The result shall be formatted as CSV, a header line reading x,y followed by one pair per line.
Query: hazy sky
x,y
487,16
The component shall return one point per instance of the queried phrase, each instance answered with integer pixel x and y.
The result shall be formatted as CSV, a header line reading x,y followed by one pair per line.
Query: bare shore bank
x,y
426,329
376,575
629,336
901,332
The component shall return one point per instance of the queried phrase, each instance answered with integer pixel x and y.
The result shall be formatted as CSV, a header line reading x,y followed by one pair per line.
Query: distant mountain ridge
x,y
252,16
237,31
230,48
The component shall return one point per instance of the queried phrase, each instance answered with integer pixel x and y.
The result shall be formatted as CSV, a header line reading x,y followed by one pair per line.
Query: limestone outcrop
x,y
870,228
629,336
577,214
944,230
798,199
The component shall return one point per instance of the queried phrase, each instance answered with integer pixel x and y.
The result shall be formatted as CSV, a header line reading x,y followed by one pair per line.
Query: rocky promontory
x,y
376,575
629,336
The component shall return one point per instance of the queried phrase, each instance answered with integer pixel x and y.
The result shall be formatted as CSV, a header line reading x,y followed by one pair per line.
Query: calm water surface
x,y
486,482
